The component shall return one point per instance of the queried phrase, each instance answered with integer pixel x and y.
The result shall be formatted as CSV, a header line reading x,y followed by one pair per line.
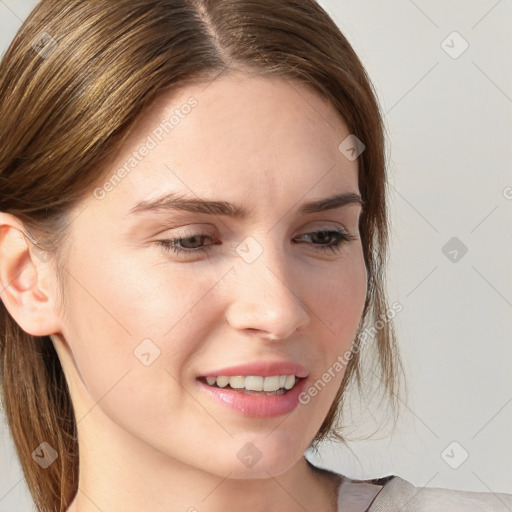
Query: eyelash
x,y
170,245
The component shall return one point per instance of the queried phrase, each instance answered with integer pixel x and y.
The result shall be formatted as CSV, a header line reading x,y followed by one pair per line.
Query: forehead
x,y
263,138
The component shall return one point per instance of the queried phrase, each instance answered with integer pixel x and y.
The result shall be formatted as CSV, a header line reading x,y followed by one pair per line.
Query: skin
x,y
148,434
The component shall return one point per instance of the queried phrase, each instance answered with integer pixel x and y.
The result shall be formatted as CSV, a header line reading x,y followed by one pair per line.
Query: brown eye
x,y
189,244
329,240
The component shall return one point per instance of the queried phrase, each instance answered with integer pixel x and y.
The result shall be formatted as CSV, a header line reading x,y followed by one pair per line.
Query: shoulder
x,y
393,493
358,495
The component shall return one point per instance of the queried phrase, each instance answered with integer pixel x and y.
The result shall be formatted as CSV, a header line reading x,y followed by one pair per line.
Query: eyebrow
x,y
174,201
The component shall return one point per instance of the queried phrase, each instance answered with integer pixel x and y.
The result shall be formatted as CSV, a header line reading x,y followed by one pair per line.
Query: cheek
x,y
131,351
338,297
127,315
154,313
337,304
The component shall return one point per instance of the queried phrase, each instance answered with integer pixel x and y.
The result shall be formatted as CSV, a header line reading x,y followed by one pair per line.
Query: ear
x,y
23,273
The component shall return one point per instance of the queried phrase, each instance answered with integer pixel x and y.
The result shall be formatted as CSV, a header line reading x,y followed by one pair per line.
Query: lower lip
x,y
256,406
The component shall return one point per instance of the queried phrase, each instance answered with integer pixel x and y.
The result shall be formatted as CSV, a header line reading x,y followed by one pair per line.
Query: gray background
x,y
448,121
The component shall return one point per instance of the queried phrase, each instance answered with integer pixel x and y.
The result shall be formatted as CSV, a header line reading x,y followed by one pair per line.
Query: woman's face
x,y
144,326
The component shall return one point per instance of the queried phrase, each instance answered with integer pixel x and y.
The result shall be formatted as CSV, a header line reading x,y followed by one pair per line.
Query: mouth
x,y
254,384
252,395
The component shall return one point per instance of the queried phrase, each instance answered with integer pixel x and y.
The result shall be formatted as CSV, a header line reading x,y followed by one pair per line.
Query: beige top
x,y
394,494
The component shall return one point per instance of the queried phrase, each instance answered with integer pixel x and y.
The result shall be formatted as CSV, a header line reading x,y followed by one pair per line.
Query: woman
x,y
193,238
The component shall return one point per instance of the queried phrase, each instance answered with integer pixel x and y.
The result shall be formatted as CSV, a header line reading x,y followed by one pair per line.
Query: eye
x,y
331,240
182,244
325,240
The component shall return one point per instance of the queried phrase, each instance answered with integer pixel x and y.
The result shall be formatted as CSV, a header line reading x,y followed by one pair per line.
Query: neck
x,y
121,473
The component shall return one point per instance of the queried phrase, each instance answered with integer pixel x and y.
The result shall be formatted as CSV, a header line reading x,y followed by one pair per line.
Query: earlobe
x,y
21,283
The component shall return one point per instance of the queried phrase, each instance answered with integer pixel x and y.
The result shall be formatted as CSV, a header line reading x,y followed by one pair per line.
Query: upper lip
x,y
261,368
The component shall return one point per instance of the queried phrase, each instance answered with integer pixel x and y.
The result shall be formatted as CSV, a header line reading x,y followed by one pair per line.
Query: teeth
x,y
222,382
290,381
236,382
254,382
271,383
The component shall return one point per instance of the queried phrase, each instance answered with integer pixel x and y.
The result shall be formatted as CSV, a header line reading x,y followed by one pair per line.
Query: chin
x,y
269,454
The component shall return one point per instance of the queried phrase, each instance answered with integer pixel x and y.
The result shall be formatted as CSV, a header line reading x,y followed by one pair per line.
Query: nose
x,y
265,297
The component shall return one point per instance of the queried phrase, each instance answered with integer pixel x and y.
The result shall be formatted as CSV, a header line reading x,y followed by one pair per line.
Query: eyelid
x,y
325,224
188,229
171,244
209,229
193,227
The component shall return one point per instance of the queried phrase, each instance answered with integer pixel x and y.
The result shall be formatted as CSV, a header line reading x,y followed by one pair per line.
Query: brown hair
x,y
73,81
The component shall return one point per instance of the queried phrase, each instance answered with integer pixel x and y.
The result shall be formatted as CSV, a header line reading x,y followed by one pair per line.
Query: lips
x,y
261,368
257,405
